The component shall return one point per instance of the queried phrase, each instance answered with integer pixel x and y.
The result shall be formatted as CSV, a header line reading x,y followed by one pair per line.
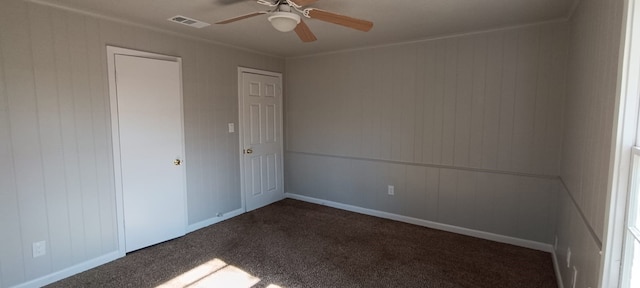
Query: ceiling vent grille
x,y
188,21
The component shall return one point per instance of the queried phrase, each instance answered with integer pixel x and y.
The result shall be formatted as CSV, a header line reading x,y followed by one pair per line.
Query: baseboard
x,y
59,275
211,221
64,273
556,268
430,224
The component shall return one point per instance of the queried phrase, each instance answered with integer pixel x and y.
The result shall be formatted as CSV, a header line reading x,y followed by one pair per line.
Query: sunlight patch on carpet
x,y
215,273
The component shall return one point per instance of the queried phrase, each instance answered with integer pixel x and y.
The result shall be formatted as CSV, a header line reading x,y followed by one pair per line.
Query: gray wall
x,y
56,174
589,118
467,128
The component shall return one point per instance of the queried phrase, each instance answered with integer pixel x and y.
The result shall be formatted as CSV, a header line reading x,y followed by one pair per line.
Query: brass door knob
x,y
177,162
249,151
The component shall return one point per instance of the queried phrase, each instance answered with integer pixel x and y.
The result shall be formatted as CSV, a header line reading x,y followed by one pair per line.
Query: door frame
x,y
112,51
242,70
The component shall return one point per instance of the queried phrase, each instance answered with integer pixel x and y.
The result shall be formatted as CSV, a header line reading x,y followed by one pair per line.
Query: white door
x,y
151,146
261,112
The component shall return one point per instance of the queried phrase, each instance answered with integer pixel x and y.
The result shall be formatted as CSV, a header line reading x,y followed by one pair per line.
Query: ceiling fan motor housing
x,y
285,16
284,21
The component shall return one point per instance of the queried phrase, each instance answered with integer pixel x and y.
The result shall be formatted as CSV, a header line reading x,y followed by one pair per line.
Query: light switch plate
x,y
232,128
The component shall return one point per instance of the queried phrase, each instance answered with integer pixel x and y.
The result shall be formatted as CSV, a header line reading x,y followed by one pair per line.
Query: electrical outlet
x,y
568,257
391,190
39,248
575,277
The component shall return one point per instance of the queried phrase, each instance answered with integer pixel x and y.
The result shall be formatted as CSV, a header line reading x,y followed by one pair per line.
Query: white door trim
x,y
241,126
115,132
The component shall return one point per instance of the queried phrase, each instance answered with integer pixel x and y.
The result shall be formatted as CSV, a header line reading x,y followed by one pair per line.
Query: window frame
x,y
631,229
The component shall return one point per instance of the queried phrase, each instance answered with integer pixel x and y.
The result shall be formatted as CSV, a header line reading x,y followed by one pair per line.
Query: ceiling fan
x,y
284,15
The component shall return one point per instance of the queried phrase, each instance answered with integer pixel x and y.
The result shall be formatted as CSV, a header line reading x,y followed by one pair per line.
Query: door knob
x,y
177,162
249,151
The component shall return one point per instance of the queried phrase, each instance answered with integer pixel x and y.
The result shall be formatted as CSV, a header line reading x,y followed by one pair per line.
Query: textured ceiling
x,y
394,20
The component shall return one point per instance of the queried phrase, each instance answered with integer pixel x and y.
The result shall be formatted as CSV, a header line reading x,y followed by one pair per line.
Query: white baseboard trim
x,y
75,269
84,266
211,221
430,224
556,268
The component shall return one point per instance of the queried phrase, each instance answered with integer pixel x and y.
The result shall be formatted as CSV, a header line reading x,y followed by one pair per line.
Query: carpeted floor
x,y
296,244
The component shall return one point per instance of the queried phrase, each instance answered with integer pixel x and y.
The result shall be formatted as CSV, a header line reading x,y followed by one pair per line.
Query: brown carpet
x,y
296,244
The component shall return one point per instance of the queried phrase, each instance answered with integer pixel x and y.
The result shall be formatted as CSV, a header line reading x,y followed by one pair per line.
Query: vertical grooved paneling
x,y
407,88
357,84
487,101
505,205
589,109
98,138
101,140
485,201
589,120
478,86
216,122
49,122
482,101
68,134
466,194
507,99
491,127
430,107
25,135
82,102
437,109
463,96
416,69
543,89
56,162
386,104
11,251
447,197
555,116
368,102
525,100
416,193
449,102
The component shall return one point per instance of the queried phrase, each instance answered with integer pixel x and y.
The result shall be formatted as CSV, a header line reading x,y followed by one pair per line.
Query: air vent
x,y
188,21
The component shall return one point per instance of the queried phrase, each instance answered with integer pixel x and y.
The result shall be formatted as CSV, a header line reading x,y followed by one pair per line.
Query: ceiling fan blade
x,y
305,33
358,24
229,2
238,18
303,3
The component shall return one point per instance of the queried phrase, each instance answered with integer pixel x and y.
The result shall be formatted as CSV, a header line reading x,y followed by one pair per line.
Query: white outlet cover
x,y
391,190
232,127
39,249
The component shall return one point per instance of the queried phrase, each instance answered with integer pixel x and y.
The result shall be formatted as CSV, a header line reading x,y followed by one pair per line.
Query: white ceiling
x,y
394,20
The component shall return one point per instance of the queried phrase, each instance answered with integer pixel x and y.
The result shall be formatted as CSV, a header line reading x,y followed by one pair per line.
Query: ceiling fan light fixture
x,y
284,21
